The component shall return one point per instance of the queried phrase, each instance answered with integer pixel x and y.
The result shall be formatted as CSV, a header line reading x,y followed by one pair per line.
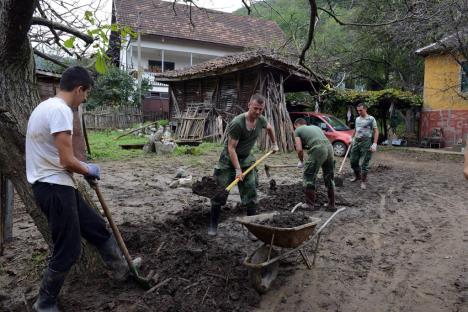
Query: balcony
x,y
150,76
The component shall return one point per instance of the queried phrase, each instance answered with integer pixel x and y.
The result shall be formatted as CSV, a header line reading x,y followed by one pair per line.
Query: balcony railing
x,y
150,76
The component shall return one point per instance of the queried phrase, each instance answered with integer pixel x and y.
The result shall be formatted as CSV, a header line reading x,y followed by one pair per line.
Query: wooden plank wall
x,y
230,95
108,117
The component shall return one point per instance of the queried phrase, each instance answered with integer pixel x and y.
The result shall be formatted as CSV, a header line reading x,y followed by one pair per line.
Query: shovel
x,y
133,270
339,179
202,187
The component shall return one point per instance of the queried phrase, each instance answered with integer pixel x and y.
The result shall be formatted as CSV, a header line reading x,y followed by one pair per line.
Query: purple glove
x,y
94,172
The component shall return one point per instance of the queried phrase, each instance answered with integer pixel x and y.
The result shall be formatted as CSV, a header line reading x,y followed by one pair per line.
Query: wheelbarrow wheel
x,y
262,278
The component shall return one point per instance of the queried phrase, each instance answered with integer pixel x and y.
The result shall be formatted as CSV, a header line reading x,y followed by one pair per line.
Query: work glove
x,y
275,147
373,147
300,165
239,174
94,173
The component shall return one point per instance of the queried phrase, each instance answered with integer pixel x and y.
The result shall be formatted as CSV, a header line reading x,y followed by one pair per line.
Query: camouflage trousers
x,y
360,152
247,187
320,156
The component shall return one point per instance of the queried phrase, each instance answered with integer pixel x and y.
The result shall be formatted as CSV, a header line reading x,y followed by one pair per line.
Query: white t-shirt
x,y
42,157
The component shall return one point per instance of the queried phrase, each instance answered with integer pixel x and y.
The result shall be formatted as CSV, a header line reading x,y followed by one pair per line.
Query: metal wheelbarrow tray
x,y
281,237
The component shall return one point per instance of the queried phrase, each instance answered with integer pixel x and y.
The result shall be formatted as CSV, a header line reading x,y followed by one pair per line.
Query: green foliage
x,y
337,101
363,56
163,122
199,150
116,87
101,32
104,146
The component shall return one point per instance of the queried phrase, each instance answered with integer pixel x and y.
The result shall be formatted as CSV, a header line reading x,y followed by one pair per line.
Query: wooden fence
x,y
107,117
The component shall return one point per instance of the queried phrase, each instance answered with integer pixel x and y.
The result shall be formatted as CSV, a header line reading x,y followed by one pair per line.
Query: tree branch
x,y
53,25
333,15
247,7
310,35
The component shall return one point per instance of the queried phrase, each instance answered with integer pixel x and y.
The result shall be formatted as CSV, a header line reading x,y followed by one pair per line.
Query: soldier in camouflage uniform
x,y
242,133
320,155
365,138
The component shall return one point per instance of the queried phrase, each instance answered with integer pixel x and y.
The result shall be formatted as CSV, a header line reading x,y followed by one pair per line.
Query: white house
x,y
175,36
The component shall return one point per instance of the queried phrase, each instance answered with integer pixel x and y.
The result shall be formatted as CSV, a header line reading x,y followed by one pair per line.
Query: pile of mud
x,y
207,187
287,220
193,271
286,196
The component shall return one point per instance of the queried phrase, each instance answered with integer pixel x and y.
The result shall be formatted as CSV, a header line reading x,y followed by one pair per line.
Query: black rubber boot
x,y
364,181
52,282
310,198
331,200
114,260
214,219
357,176
251,210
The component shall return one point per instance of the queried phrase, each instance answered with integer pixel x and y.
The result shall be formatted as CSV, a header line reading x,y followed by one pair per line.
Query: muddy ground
x,y
401,245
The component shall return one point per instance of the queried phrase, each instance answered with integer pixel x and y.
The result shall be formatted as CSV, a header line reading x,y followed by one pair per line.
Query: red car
x,y
338,133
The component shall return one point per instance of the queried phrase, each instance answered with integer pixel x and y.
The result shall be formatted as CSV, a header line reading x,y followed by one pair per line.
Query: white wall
x,y
177,51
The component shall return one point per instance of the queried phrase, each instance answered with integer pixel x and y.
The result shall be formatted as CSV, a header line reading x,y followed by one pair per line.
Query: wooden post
x,y
85,134
6,211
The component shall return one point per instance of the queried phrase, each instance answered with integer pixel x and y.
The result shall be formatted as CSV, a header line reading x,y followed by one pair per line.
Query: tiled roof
x,y
236,62
448,43
165,19
44,65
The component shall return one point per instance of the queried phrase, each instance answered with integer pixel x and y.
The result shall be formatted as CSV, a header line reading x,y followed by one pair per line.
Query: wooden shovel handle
x,y
115,230
233,183
344,159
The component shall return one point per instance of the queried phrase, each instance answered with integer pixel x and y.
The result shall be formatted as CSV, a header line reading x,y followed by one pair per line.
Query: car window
x,y
337,124
315,121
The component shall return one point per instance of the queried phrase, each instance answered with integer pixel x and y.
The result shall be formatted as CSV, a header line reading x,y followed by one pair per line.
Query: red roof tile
x,y
161,18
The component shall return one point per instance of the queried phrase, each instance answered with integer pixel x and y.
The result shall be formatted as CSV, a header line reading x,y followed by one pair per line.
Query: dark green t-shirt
x,y
310,136
237,130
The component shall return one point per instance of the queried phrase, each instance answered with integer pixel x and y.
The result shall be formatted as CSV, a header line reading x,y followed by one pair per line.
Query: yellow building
x,y
445,89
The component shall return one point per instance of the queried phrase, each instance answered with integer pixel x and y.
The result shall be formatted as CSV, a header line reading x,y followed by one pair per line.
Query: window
x,y
464,76
156,66
314,121
337,124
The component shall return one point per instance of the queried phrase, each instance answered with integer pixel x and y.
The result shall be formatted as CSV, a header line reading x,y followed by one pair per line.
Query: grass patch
x,y
105,147
199,150
36,263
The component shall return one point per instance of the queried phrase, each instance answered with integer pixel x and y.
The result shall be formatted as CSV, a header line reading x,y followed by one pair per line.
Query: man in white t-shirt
x,y
50,165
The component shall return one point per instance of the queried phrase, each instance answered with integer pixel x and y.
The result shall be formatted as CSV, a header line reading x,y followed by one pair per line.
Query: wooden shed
x,y
205,97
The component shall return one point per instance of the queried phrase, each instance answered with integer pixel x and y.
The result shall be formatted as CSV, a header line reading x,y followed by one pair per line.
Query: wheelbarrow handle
x,y
234,183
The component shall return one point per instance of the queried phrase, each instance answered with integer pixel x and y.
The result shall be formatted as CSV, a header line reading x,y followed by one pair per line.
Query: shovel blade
x,y
339,181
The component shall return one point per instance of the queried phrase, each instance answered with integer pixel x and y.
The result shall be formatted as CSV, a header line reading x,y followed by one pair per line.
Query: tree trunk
x,y
18,97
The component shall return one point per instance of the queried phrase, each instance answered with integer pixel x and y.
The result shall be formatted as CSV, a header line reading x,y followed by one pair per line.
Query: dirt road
x,y
401,245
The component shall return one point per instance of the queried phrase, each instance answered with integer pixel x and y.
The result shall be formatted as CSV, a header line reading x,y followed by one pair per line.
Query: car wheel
x,y
339,149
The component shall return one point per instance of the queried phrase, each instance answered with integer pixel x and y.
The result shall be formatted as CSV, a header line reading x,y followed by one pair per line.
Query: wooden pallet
x,y
191,124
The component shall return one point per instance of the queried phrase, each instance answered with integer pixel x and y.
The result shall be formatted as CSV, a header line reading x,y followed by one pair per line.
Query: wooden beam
x,y
6,211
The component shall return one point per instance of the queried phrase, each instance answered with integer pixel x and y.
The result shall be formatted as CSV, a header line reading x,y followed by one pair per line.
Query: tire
x,y
262,278
339,148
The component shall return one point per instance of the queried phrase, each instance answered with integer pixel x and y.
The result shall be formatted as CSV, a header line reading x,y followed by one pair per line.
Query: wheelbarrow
x,y
263,262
